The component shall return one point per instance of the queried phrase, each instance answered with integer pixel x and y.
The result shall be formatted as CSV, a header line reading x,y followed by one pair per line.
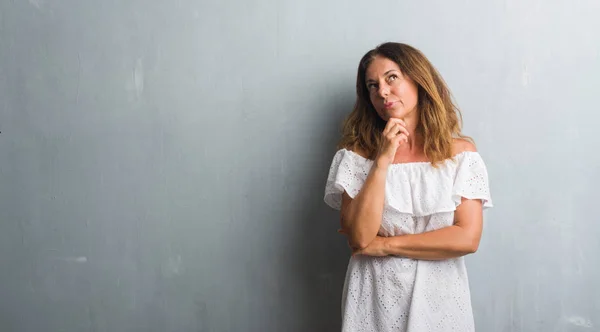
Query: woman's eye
x,y
392,78
371,86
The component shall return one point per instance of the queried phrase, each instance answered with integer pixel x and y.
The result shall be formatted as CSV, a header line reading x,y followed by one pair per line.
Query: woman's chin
x,y
401,114
396,114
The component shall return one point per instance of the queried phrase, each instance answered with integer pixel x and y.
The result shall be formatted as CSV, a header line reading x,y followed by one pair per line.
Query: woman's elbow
x,y
360,238
359,244
471,246
361,241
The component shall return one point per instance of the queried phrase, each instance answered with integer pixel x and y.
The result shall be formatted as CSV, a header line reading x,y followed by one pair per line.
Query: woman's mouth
x,y
389,104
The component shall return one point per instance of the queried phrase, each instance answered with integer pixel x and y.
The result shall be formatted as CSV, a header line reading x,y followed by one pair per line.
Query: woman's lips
x,y
389,104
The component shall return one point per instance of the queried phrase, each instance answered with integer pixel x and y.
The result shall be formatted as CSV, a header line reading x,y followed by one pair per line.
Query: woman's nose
x,y
384,90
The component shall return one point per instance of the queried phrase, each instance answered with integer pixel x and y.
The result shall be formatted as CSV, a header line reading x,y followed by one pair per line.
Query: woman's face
x,y
392,94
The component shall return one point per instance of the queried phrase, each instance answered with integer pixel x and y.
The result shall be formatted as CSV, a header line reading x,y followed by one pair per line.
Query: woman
x,y
411,190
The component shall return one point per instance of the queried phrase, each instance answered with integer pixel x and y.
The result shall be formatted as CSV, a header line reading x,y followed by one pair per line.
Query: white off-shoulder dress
x,y
393,293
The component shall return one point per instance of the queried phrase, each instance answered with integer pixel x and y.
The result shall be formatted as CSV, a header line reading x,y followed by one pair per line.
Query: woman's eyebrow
x,y
387,72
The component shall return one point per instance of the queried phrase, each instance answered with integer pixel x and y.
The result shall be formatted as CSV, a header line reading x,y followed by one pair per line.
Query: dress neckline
x,y
408,164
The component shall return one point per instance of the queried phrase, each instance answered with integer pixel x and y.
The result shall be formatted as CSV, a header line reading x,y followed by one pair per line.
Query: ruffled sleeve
x,y
471,181
347,173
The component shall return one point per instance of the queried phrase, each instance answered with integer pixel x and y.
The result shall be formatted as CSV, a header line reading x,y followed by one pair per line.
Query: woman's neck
x,y
414,148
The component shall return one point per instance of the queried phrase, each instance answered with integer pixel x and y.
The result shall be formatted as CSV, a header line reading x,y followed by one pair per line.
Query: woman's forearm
x,y
449,242
362,217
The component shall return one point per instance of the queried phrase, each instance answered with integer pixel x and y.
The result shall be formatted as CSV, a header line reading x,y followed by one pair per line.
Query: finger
x,y
403,130
391,123
388,127
400,138
393,131
398,120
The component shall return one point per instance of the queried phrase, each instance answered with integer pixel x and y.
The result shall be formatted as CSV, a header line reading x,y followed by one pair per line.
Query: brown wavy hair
x,y
440,120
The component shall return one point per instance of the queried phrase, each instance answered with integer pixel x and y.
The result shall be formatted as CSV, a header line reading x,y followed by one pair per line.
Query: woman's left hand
x,y
376,248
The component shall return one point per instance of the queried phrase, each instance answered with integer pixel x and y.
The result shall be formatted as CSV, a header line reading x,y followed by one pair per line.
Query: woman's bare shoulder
x,y
461,145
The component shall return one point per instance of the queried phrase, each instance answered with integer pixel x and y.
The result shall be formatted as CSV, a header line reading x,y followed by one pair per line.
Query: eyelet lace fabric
x,y
400,294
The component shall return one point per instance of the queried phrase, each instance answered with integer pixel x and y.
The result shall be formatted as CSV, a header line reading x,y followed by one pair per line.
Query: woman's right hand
x,y
394,134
